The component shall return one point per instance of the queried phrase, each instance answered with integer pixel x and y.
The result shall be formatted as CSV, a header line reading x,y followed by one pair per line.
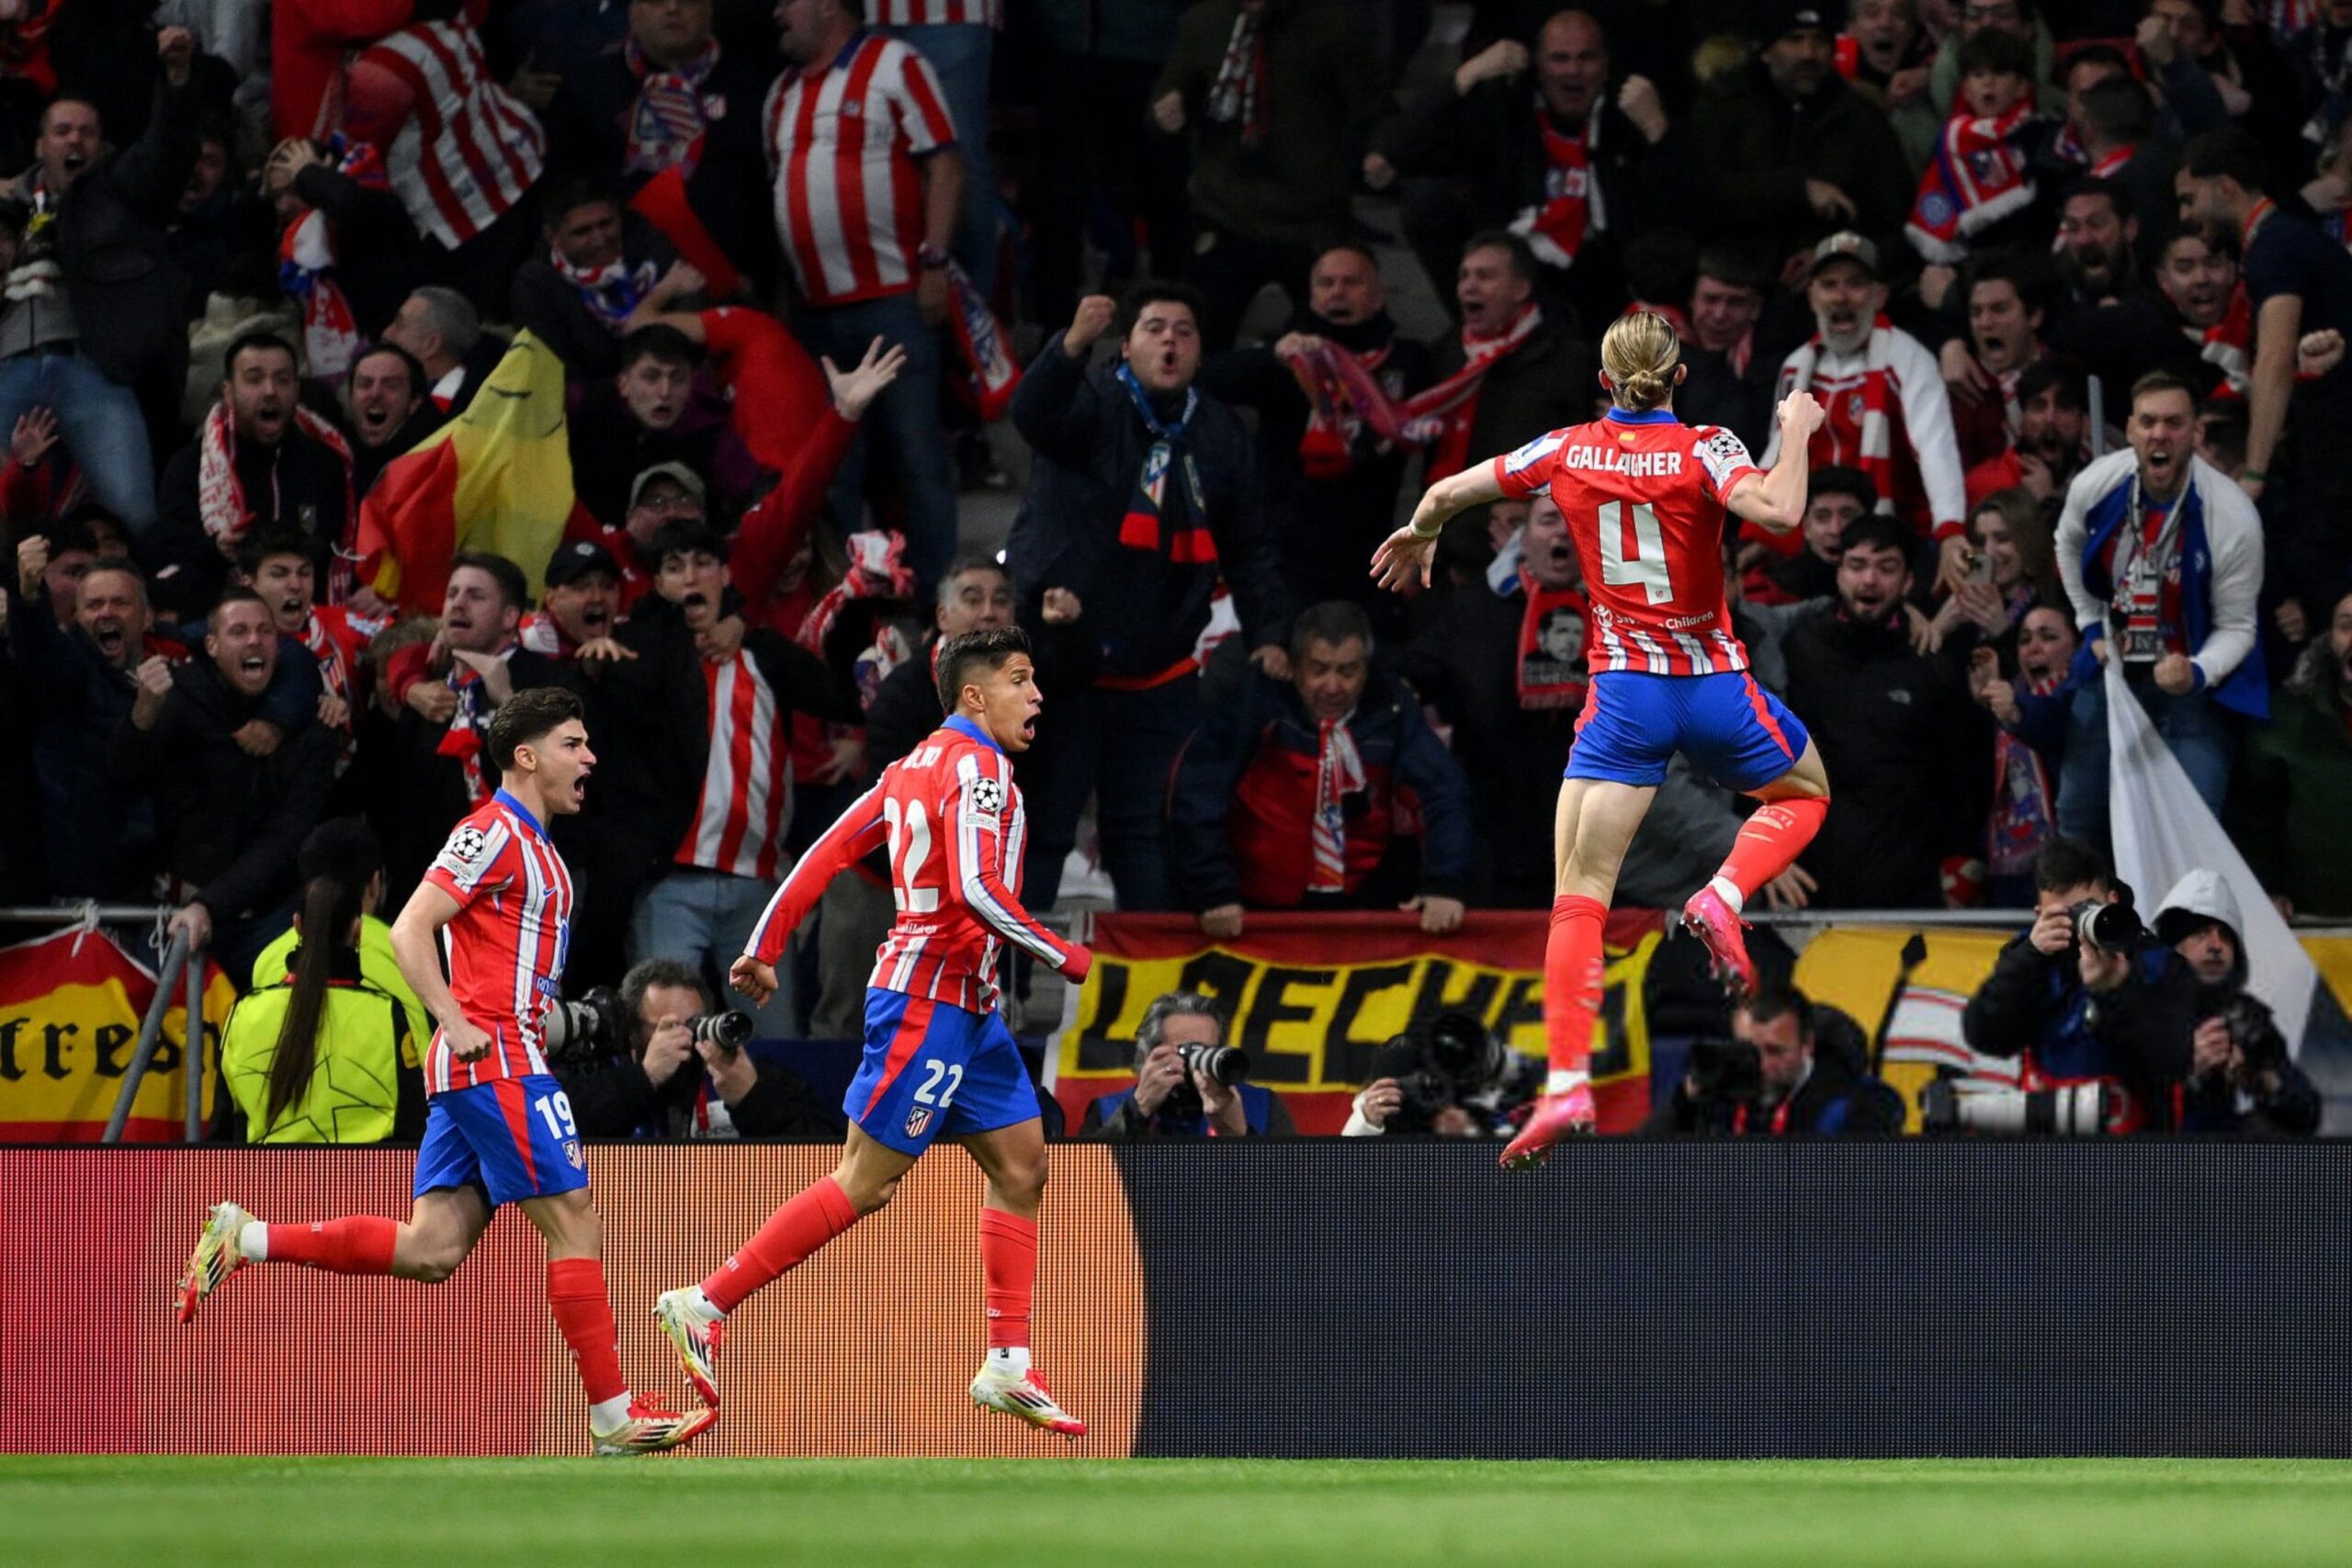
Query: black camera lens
x,y
2104,928
731,1030
1225,1065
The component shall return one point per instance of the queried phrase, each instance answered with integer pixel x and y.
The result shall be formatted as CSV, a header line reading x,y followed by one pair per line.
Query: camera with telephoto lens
x,y
1725,1071
728,1031
1448,1059
2077,1111
1225,1065
584,1030
2105,928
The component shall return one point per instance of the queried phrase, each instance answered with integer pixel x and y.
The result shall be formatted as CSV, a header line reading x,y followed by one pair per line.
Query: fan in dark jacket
x,y
230,821
600,264
1549,152
1794,153
1330,494
675,98
95,305
97,838
1144,494
1896,730
1309,793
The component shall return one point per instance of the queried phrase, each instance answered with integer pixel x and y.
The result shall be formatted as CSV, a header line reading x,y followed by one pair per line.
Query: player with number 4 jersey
x,y
939,1061
1644,496
498,1129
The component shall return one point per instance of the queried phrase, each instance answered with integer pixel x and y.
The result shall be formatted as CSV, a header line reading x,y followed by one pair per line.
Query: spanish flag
x,y
498,478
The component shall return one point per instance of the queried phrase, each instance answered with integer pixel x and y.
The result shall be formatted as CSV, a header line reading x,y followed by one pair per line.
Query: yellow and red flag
x,y
497,478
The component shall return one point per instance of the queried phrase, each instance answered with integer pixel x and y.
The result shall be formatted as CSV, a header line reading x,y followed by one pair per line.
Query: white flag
x,y
2162,832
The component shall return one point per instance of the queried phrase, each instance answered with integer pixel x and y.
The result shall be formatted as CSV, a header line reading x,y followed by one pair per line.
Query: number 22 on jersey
x,y
1646,569
910,852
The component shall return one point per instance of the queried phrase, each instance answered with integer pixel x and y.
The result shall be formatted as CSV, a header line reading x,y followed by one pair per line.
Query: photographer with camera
x,y
2240,1079
657,1062
1189,1082
1449,1076
1790,1069
2088,998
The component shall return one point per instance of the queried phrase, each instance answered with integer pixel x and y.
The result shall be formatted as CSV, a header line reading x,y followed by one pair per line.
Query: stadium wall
x,y
1636,1299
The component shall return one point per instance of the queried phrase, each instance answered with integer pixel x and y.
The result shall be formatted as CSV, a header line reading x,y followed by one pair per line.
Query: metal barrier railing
x,y
182,969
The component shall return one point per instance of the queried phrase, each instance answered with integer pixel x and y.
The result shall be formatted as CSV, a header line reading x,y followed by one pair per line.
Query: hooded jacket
x,y
2212,1102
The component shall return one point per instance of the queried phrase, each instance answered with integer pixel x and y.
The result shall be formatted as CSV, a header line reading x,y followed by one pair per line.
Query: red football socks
x,y
584,1314
1008,1276
357,1243
809,1219
1572,969
1771,841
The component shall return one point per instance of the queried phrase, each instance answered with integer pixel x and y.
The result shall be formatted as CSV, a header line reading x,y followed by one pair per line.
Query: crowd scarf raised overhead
x,y
306,261
1341,388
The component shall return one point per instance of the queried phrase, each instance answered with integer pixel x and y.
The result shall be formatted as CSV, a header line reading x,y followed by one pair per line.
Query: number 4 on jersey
x,y
1646,569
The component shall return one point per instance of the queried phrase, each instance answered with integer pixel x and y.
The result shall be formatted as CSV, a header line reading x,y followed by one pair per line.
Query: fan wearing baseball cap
x,y
1888,412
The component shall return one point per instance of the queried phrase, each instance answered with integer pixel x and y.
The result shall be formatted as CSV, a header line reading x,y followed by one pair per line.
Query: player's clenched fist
x,y
1095,314
466,1043
1800,416
754,979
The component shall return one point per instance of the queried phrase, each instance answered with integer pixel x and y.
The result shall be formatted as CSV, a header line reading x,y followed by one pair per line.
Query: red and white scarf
x,y
2228,345
990,373
1238,93
1572,209
1339,773
1860,424
1340,387
1977,177
672,116
221,495
330,336
1544,680
878,569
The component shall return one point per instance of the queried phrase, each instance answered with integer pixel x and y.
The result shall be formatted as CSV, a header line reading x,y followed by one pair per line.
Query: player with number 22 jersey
x,y
1644,496
939,1060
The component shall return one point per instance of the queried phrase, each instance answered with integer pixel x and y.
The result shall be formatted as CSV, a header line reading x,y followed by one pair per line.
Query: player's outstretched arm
x,y
1409,551
1775,501
855,834
416,948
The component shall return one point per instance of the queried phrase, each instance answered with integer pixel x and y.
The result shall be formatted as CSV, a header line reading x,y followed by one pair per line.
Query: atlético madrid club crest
x,y
572,1152
917,1120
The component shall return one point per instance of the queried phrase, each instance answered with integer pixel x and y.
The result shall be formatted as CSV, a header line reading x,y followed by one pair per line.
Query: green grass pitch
x,y
169,1511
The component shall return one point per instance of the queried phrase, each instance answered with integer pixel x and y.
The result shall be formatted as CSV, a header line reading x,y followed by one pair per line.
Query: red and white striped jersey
x,y
505,948
459,149
1643,495
842,148
746,805
934,13
953,819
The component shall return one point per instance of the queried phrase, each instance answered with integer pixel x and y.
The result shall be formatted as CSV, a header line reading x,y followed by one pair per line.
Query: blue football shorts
x,y
1733,730
932,1070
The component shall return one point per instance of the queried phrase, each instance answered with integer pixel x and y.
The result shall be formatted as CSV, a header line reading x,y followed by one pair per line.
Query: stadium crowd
x,y
363,362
